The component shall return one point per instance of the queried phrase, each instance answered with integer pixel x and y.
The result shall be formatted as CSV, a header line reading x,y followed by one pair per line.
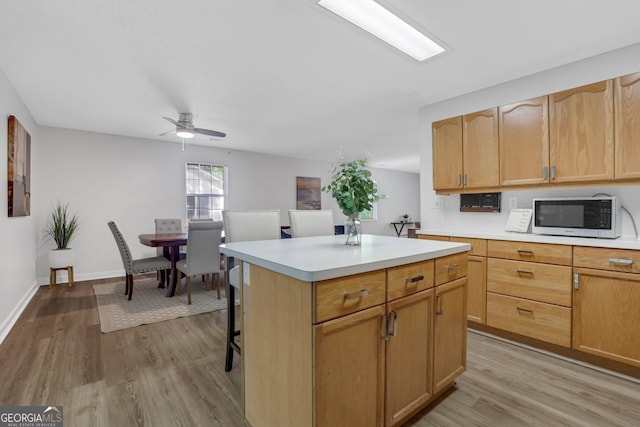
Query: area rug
x,y
149,304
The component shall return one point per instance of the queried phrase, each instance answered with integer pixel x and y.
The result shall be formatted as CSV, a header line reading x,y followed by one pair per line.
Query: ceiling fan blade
x,y
168,132
210,132
171,120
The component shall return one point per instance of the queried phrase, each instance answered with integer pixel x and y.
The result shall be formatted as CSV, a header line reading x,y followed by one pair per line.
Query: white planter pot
x,y
60,258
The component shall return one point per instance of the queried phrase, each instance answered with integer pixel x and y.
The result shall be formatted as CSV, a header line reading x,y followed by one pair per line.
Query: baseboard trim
x,y
13,317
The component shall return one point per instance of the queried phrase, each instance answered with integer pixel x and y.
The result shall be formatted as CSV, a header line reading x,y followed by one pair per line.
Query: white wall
x,y
19,236
132,181
602,67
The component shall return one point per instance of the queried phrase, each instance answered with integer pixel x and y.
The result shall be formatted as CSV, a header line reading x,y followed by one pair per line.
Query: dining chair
x,y
242,226
308,223
166,225
203,253
135,266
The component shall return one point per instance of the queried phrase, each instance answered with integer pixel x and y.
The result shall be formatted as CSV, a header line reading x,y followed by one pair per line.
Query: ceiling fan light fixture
x,y
380,22
184,133
185,129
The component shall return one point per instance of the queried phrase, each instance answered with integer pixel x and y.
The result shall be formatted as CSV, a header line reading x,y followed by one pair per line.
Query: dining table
x,y
170,244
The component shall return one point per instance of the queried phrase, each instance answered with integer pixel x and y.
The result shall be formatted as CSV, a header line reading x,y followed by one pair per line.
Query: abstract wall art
x,y
307,193
19,169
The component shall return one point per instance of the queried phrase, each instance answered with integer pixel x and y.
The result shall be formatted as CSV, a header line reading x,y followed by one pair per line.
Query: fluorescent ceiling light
x,y
375,19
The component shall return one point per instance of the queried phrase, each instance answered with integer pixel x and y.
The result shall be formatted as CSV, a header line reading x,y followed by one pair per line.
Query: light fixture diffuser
x,y
378,21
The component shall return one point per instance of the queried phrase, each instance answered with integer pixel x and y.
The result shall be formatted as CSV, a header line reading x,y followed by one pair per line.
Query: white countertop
x,y
326,257
622,242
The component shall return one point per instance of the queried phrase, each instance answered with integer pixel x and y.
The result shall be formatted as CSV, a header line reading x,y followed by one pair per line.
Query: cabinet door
x,y
627,126
606,315
349,370
450,333
408,355
477,289
480,152
524,142
447,153
581,133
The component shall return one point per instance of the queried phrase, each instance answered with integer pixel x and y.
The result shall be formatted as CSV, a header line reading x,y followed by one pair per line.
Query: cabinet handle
x,y
395,323
385,321
459,180
451,267
465,179
544,173
357,295
414,280
440,311
553,172
576,281
526,310
527,272
622,261
525,252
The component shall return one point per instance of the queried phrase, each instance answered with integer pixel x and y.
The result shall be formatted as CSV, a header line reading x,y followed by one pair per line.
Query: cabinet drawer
x,y
538,320
478,246
541,282
408,279
344,295
534,252
433,237
625,260
450,267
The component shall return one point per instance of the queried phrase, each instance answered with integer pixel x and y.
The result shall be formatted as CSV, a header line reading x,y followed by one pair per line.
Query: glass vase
x,y
353,231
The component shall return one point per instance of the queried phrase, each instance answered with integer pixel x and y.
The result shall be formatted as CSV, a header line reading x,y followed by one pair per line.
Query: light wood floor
x,y
171,374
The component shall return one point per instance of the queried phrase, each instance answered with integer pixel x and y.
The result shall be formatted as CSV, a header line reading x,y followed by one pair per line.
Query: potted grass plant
x,y
355,191
61,227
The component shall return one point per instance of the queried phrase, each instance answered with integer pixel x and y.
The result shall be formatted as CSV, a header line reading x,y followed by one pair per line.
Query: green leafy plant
x,y
62,226
353,187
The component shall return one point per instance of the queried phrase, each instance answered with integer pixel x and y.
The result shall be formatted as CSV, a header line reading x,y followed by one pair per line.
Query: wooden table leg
x,y
174,255
70,274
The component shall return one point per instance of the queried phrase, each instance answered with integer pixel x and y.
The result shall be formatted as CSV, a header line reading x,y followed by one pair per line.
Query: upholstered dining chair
x,y
166,225
242,226
203,253
135,266
308,223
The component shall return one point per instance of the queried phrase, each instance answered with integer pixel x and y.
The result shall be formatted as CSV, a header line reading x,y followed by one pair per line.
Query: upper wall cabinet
x,y
524,142
447,153
581,134
627,126
480,152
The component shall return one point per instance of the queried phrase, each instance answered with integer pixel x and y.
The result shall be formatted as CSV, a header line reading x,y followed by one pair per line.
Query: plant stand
x,y
53,273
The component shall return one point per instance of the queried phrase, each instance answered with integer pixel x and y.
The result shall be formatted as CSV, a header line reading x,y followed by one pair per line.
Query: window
x,y
371,214
206,189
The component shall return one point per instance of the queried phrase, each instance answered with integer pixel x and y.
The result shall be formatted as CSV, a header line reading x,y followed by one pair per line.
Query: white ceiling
x,y
283,77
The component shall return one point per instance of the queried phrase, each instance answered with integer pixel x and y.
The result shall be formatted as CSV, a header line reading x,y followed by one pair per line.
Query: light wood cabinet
x,y
433,237
476,279
447,153
450,326
606,298
409,356
581,134
350,348
627,126
480,152
524,142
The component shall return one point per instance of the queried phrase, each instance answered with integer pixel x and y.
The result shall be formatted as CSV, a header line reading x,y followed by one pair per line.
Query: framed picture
x,y
308,193
18,169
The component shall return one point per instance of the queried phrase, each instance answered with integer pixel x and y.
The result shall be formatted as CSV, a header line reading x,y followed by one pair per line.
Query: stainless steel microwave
x,y
574,216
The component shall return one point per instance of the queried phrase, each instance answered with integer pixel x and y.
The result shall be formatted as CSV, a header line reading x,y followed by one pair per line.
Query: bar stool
x,y
242,226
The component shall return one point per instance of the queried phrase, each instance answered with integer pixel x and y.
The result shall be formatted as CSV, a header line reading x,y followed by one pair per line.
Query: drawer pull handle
x,y
525,252
357,295
526,272
451,267
526,310
622,261
440,311
414,280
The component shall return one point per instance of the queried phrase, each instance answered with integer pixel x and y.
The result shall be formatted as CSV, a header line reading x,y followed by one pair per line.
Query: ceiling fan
x,y
185,128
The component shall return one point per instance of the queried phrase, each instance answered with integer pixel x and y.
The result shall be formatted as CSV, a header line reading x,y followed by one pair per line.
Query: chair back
x,y
203,252
307,223
167,225
125,253
247,225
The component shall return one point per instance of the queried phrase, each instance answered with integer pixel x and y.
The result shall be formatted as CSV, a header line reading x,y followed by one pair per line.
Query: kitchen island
x,y
336,335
